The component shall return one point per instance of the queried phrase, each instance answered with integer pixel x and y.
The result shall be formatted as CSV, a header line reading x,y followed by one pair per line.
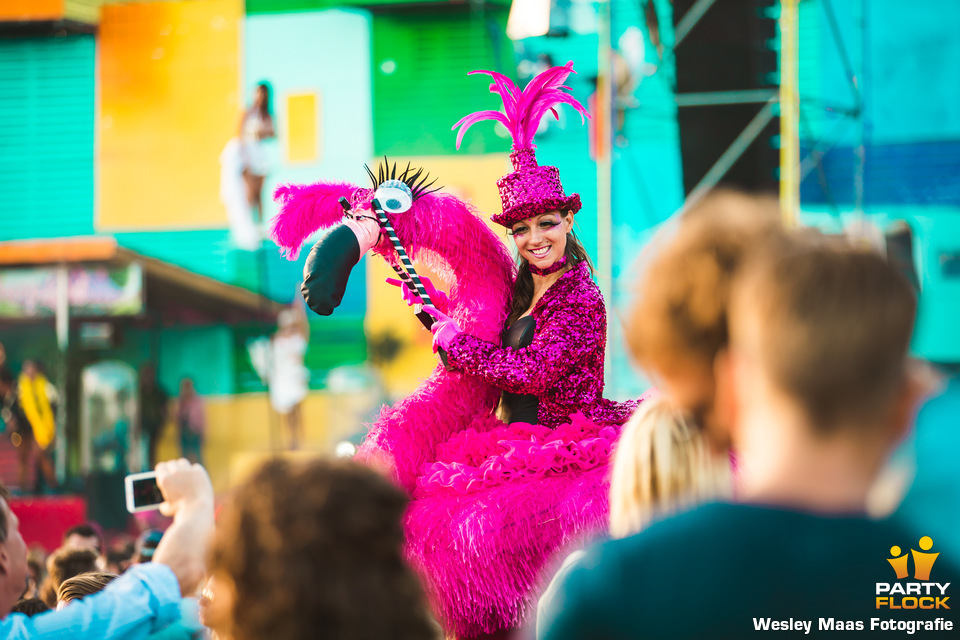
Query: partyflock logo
x,y
922,594
908,592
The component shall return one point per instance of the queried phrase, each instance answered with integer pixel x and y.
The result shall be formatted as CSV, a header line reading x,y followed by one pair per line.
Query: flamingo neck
x,y
480,280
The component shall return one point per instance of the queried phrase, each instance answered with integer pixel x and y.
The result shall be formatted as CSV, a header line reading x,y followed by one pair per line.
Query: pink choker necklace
x,y
556,266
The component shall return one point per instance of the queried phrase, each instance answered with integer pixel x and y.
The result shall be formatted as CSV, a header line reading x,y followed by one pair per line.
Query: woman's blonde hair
x,y
661,465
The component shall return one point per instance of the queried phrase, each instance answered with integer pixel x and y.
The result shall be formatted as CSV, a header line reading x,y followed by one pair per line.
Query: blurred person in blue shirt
x,y
146,598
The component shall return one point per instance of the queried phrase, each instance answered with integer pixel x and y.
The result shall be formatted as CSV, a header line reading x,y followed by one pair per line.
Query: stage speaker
x,y
733,47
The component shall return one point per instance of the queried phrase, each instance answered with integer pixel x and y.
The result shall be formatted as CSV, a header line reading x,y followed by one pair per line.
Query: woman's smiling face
x,y
542,239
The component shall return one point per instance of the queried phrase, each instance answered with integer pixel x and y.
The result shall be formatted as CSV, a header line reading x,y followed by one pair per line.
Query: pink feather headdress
x,y
531,189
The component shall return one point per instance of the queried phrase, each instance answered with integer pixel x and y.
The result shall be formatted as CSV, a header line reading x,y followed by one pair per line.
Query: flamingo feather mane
x,y
304,210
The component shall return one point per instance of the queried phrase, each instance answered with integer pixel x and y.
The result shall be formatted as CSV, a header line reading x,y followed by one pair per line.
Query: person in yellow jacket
x,y
34,392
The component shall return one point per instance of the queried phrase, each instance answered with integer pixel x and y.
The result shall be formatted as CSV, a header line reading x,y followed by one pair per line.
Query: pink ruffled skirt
x,y
493,510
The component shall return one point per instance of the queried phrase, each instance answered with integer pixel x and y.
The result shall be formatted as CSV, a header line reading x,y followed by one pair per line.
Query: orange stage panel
x,y
24,10
45,251
169,78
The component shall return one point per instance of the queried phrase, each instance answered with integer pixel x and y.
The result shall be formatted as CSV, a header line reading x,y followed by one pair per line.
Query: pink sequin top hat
x,y
531,189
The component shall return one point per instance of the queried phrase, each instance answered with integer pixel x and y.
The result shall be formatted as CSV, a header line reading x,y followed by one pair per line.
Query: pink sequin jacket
x,y
563,366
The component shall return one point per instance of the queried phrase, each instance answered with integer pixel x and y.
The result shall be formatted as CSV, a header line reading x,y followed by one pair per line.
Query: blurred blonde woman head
x,y
662,465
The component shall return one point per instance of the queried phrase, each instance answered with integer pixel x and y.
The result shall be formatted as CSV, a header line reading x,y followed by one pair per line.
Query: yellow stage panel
x,y
302,135
239,429
169,78
84,10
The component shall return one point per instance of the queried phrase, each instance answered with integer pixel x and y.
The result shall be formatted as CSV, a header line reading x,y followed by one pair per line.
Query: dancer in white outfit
x,y
256,126
289,376
244,166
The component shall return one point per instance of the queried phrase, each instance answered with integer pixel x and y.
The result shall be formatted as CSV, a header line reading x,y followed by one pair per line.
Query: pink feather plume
x,y
303,210
523,110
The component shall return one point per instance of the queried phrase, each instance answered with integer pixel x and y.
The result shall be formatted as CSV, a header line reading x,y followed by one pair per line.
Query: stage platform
x,y
43,519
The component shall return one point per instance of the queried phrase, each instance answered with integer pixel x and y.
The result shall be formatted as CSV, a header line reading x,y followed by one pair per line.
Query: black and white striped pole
x,y
407,273
387,226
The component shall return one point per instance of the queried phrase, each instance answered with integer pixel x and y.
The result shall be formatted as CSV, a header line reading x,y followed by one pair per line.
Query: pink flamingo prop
x,y
449,237
492,503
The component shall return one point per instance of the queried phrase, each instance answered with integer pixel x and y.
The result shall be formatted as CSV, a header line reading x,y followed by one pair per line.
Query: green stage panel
x,y
335,341
420,82
46,137
282,6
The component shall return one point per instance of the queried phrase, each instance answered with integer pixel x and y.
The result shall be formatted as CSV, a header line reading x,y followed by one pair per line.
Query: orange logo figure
x,y
923,562
899,564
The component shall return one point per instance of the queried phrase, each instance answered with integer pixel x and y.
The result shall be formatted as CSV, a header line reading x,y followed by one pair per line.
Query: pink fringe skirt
x,y
495,508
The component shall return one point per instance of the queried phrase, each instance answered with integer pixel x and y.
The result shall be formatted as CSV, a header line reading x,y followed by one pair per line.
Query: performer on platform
x,y
256,127
37,398
549,364
289,377
244,165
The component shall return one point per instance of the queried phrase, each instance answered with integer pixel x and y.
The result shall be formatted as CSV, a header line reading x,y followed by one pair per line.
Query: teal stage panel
x,y
47,137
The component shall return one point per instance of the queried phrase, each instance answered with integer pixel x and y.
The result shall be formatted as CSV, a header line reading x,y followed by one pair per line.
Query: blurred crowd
x,y
81,566
739,490
29,418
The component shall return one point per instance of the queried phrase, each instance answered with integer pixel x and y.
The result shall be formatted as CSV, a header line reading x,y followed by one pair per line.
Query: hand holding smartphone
x,y
188,498
143,492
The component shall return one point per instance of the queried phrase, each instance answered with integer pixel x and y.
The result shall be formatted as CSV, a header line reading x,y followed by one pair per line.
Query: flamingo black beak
x,y
328,268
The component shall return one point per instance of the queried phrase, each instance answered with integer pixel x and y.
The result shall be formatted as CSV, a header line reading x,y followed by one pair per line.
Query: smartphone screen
x,y
146,493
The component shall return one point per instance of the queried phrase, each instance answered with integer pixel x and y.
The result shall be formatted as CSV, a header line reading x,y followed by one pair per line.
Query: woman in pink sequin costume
x,y
498,503
494,500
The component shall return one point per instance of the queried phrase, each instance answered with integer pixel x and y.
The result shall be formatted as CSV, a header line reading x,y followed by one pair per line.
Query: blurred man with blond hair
x,y
820,390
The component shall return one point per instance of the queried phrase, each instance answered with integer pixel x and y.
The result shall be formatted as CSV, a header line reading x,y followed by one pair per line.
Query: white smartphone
x,y
143,493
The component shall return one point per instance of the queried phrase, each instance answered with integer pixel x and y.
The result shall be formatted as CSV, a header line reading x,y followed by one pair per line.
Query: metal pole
x,y
709,98
690,19
62,320
263,285
789,115
860,171
604,151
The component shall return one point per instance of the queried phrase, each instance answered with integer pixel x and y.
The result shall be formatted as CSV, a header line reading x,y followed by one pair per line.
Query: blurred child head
x,y
29,368
679,326
662,465
147,545
81,586
63,564
30,607
83,536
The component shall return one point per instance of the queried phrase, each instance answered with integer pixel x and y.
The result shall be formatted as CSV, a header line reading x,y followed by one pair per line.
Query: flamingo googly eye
x,y
394,196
